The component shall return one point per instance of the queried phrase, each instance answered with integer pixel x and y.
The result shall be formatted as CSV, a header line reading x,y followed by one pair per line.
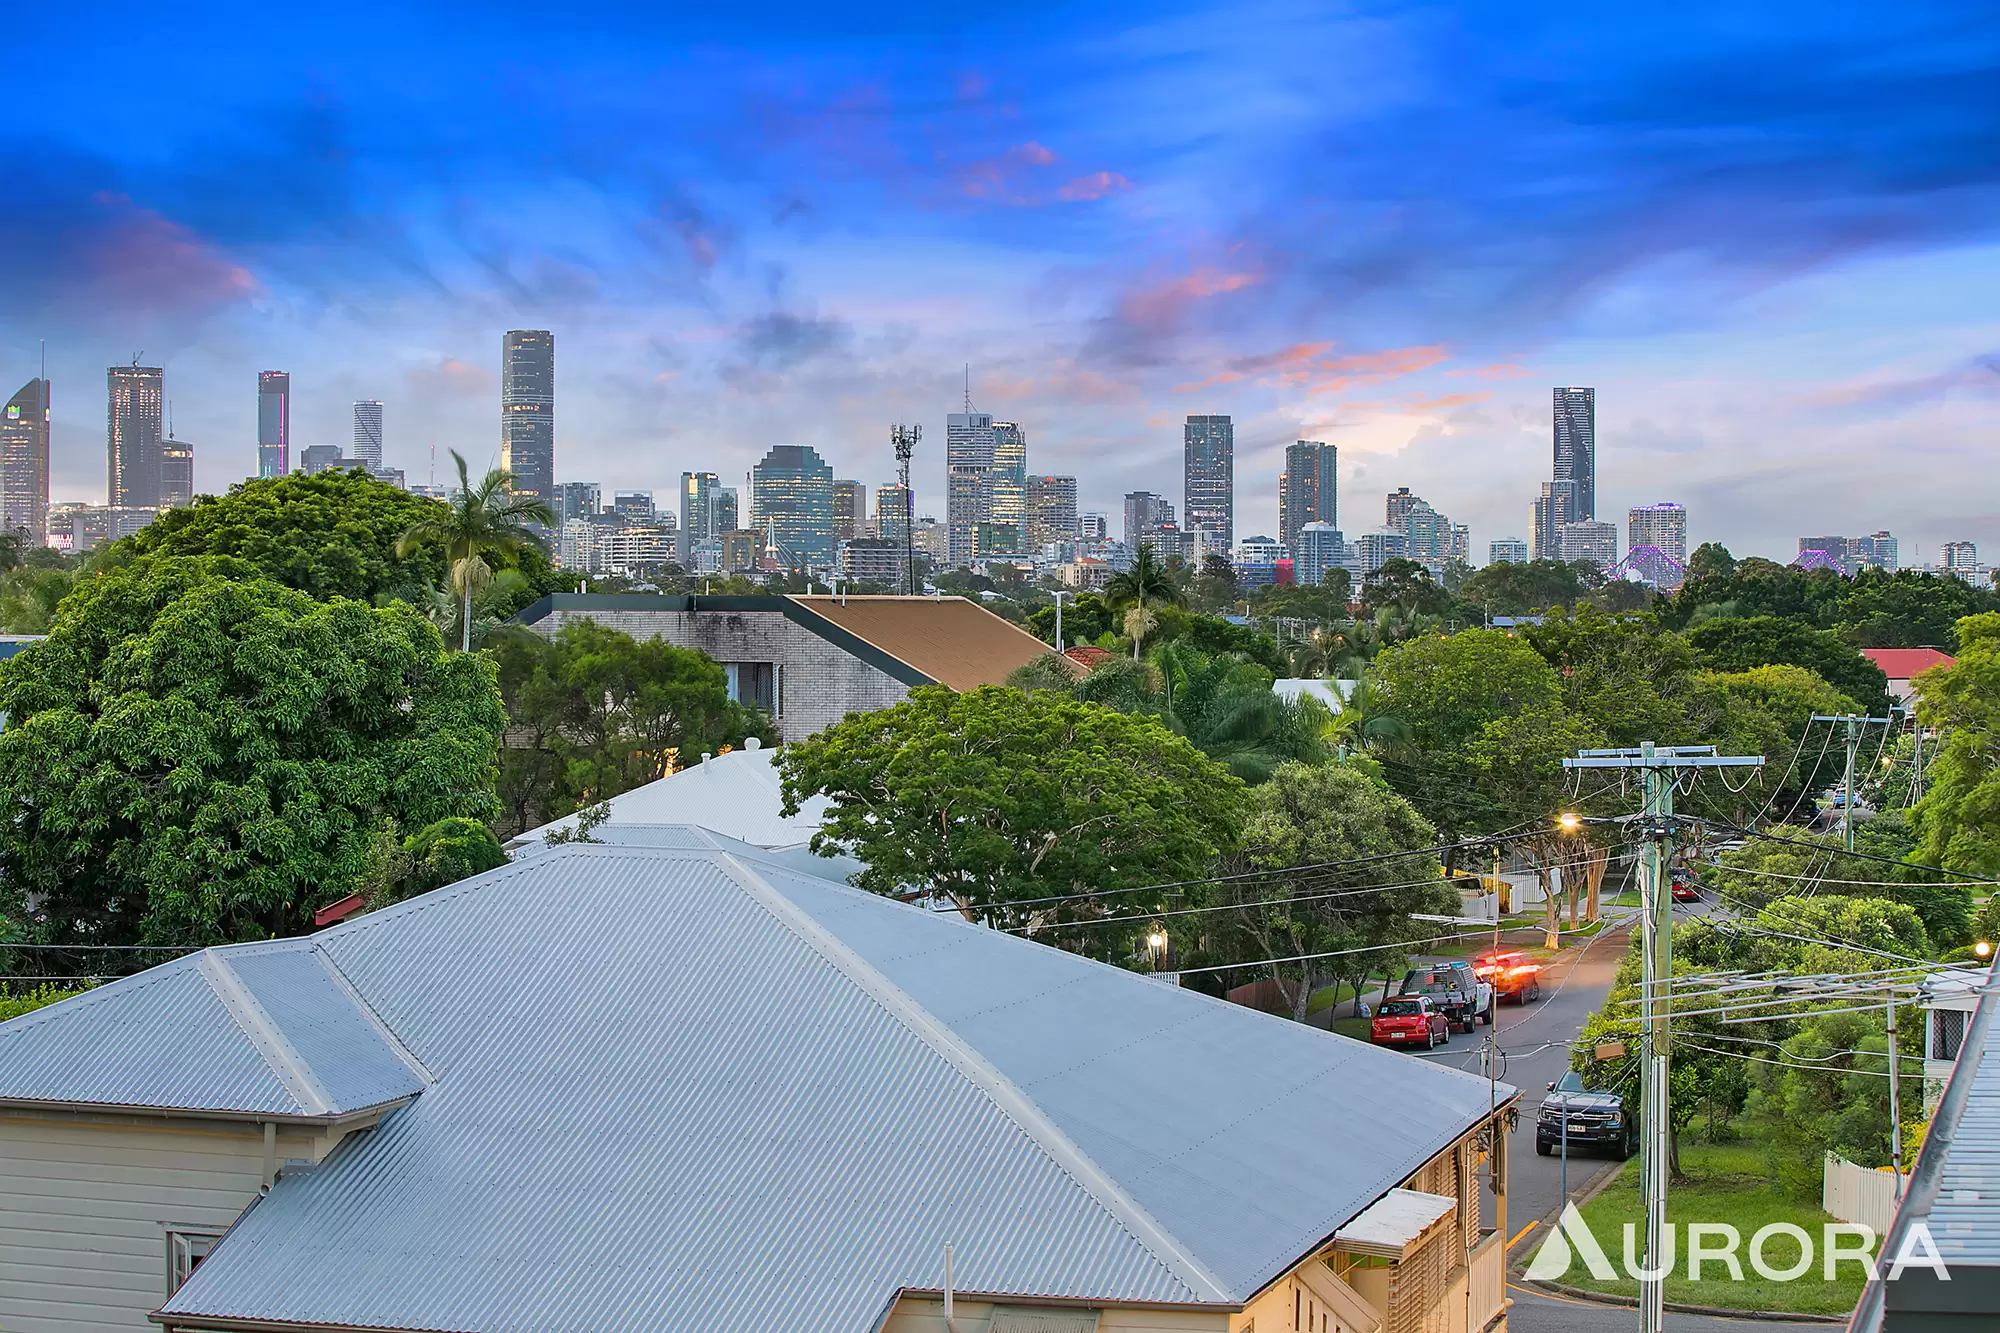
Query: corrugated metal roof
x,y
953,641
738,795
244,1030
690,1089
1965,1216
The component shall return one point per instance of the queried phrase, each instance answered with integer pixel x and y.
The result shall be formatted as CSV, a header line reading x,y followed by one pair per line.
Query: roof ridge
x,y
374,1020
1164,1246
277,1051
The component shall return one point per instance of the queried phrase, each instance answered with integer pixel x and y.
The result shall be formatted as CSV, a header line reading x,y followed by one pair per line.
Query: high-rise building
x,y
1146,516
1396,509
1051,510
1507,550
1093,527
1372,550
1663,525
274,423
727,510
1592,541
1960,559
577,501
1209,479
316,458
892,513
968,467
176,472
133,436
1576,449
633,506
850,510
528,410
1461,543
1877,550
702,516
1833,548
1007,487
1429,536
1316,549
1555,507
368,434
791,505
1308,489
24,462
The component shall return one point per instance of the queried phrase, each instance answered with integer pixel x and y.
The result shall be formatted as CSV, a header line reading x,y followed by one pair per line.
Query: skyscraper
x,y
791,505
1007,487
368,435
892,513
850,510
1396,508
1429,535
528,410
1309,489
274,423
1503,550
577,501
968,468
699,494
1051,508
24,462
1555,507
1576,449
1877,550
1146,515
176,472
1209,479
1317,548
1663,525
136,397
1592,541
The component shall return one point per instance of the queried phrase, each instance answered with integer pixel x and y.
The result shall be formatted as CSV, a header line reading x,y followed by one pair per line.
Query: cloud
x,y
1980,375
1000,179
1096,185
452,376
1312,368
783,341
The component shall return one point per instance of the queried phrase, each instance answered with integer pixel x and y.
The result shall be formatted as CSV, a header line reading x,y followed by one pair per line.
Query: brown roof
x,y
953,641
1088,657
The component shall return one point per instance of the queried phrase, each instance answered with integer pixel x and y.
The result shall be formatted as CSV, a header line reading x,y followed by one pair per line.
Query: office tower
x,y
528,411
1592,541
24,462
1093,527
1960,559
1309,488
1555,507
1372,550
1576,449
1663,525
633,506
368,434
274,423
1146,515
136,397
1396,509
323,458
702,517
176,472
1209,479
726,509
892,513
968,467
791,506
1507,550
1428,534
1877,550
1051,511
577,501
1007,488
850,510
1461,542
1316,549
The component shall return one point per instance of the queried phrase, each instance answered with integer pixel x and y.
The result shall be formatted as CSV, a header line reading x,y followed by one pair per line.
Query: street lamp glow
x,y
1983,949
1569,821
1157,941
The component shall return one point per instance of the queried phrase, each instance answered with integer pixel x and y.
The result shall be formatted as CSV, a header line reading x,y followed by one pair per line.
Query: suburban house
x,y
810,661
1948,998
676,1083
1951,1193
1902,665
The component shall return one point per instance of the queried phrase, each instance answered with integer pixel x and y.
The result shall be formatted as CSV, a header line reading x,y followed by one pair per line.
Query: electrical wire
x,y
1482,928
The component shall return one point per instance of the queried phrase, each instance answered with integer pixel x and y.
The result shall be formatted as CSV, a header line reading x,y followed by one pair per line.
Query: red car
x,y
1409,1020
1511,973
1683,890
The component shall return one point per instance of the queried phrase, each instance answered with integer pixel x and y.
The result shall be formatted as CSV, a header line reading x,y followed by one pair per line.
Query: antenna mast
x,y
904,440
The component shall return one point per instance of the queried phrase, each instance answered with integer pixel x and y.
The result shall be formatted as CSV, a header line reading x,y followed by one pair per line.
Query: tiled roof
x,y
1903,663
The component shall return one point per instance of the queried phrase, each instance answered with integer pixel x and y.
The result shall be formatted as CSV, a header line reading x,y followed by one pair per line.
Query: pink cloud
x,y
972,86
996,178
1163,302
1096,185
1034,154
141,258
451,375
1310,367
1500,370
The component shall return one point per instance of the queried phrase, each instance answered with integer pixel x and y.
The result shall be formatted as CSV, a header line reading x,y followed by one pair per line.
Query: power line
x,y
1865,856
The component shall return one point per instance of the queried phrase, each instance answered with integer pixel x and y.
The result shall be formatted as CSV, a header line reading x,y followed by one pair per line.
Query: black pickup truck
x,y
1596,1120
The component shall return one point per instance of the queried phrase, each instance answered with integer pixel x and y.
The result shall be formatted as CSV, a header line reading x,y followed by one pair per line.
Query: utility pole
x,y
1059,637
1895,1105
1854,725
1659,765
1917,767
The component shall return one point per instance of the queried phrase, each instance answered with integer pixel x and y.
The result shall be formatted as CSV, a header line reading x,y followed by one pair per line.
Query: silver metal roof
x,y
739,795
694,1088
264,1029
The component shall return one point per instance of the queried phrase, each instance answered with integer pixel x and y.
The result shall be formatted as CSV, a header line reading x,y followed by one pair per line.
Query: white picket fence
x,y
1859,1194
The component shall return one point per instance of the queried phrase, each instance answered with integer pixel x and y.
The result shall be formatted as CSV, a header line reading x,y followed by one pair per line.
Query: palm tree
x,y
1363,722
1146,580
479,519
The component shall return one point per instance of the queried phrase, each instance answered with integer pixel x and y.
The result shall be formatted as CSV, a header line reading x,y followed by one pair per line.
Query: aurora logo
x,y
1720,1243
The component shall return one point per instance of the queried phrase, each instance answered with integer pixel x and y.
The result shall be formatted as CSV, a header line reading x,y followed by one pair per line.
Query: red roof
x,y
1903,663
1089,658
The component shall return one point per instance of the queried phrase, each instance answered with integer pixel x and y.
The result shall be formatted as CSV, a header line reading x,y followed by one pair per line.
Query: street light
x,y
1156,946
1983,949
1569,821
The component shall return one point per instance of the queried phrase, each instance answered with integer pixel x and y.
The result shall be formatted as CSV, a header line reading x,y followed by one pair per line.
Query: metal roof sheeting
x,y
738,795
685,1089
263,1029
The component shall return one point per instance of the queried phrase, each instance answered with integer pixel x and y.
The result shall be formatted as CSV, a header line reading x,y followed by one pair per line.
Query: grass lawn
x,y
1328,996
1728,1182
1356,1028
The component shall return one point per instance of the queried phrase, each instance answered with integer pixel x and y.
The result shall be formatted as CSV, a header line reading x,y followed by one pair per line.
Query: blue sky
x,y
1769,235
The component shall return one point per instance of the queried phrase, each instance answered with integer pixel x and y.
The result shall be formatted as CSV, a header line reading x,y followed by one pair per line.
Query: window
x,y
753,683
1947,1033
185,1250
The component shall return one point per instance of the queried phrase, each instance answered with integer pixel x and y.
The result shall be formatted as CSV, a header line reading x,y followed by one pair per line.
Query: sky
x,y
1768,235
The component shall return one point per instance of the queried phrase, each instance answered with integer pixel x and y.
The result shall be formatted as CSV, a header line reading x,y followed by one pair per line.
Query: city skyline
x,y
1118,217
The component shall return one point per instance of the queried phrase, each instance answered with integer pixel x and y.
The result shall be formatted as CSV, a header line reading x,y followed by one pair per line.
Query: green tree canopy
x,y
995,798
1516,588
593,712
1958,819
1767,711
194,757
1814,867
1767,640
1622,672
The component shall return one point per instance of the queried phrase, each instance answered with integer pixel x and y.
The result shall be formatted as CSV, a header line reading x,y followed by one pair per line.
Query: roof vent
x,y
753,742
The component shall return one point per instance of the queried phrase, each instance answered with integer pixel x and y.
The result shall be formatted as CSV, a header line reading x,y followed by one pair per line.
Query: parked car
x,y
1511,973
1410,1020
1452,987
1683,888
1595,1119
